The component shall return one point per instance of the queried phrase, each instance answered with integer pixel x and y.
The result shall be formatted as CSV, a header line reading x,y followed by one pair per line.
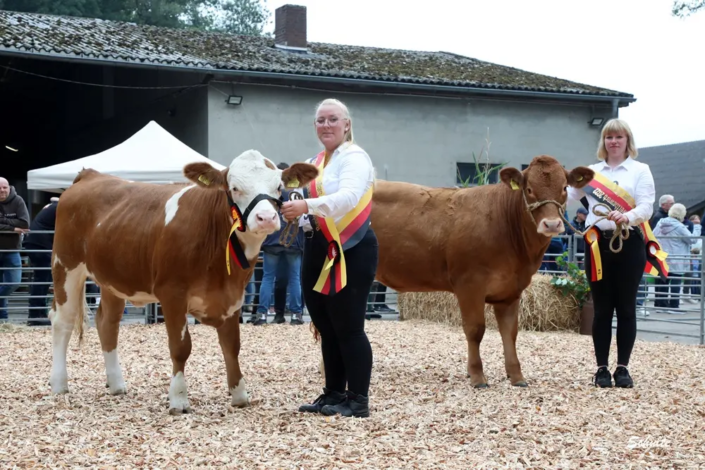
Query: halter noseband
x,y
244,215
621,234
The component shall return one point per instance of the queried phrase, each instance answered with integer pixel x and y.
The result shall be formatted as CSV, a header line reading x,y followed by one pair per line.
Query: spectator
x,y
41,262
677,244
692,286
14,222
665,202
275,253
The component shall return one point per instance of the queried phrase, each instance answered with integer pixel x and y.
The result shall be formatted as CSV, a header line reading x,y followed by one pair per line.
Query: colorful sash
x,y
346,233
612,195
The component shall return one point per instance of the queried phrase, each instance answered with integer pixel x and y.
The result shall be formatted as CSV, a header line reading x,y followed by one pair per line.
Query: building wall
x,y
414,139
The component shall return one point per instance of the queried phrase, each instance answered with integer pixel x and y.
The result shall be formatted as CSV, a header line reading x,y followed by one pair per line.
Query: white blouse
x,y
347,177
632,176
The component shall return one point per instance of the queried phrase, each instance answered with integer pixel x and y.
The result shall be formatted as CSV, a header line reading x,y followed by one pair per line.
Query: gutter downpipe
x,y
342,80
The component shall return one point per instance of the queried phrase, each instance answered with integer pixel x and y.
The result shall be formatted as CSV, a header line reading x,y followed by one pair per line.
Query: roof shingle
x,y
127,42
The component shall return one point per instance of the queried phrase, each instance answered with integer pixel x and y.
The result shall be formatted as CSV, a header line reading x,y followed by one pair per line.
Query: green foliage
x,y
574,282
683,8
482,170
248,17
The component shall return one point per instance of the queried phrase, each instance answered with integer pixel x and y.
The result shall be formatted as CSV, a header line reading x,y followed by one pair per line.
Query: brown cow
x,y
165,243
482,243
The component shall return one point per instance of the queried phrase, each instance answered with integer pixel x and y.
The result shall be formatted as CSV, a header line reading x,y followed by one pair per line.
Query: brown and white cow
x,y
164,243
482,243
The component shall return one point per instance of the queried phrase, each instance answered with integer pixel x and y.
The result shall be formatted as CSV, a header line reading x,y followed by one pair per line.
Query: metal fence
x,y
26,287
664,310
675,309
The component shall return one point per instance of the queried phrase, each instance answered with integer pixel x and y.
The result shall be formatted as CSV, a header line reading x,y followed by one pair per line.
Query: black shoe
x,y
279,318
354,406
296,319
258,319
329,397
383,309
622,378
602,378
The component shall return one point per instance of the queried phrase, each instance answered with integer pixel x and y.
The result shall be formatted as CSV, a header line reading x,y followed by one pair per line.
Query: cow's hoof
x,y
521,383
122,390
180,411
482,385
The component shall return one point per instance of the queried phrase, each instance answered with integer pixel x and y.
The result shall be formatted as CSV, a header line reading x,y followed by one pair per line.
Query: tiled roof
x,y
127,42
678,169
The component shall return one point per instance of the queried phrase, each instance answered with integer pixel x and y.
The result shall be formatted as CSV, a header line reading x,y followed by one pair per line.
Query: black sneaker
x,y
356,406
602,378
279,318
622,378
329,397
296,319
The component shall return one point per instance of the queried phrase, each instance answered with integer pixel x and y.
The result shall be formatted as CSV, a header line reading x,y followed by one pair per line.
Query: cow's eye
x,y
529,191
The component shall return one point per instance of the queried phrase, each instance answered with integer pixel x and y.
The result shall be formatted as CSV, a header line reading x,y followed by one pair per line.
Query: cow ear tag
x,y
293,183
579,178
514,185
204,180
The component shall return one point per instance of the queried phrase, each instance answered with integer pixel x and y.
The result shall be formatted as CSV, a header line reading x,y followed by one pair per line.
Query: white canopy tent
x,y
152,155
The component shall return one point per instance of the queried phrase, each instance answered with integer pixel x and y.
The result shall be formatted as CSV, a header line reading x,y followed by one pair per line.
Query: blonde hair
x,y
677,211
346,114
617,126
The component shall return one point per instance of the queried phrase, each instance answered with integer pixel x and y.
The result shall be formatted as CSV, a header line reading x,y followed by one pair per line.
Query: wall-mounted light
x,y
234,100
597,121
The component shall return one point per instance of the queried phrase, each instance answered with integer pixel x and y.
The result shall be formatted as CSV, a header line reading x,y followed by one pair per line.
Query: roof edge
x,y
432,89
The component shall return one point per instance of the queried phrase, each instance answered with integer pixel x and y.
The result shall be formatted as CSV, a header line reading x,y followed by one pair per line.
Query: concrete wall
x,y
412,139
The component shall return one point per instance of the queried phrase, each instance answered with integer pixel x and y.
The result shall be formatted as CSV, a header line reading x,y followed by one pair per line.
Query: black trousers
x,y
340,318
616,291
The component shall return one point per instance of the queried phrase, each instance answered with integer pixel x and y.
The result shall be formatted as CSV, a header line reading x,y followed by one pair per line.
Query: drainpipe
x,y
615,109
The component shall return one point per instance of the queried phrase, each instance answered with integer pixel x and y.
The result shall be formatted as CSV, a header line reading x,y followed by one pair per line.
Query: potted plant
x,y
574,283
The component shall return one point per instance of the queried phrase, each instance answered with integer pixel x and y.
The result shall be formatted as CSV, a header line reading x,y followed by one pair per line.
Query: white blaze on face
x,y
249,176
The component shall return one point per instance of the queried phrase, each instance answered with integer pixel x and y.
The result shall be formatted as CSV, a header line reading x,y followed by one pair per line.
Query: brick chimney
x,y
290,26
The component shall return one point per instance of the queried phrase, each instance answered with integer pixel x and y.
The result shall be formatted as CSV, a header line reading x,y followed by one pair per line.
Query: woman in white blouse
x,y
622,271
340,261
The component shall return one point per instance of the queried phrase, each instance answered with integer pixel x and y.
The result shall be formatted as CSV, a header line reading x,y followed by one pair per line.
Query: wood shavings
x,y
424,413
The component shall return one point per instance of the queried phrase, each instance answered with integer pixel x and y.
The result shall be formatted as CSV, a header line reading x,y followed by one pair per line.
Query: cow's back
x,y
117,229
430,238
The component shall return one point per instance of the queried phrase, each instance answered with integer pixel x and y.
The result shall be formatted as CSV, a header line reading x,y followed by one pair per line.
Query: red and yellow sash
x,y
605,191
341,236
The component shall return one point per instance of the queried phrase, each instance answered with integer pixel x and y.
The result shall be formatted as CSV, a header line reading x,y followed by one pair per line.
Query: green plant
x,y
574,282
482,170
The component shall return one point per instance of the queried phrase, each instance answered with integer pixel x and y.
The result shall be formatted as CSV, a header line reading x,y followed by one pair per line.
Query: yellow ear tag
x,y
514,185
579,178
204,180
293,183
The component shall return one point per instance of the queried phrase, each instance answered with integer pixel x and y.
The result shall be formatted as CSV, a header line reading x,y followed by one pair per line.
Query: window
x,y
468,174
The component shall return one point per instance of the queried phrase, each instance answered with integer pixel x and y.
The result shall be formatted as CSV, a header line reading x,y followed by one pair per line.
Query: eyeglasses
x,y
332,121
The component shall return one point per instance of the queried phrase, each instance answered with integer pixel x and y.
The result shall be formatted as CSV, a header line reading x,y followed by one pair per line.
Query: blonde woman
x,y
627,187
340,261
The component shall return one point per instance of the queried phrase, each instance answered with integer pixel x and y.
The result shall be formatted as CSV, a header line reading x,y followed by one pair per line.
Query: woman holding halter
x,y
626,188
339,262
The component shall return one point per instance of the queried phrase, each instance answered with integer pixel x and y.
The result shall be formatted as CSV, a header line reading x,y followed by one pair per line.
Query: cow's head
x,y
254,184
546,180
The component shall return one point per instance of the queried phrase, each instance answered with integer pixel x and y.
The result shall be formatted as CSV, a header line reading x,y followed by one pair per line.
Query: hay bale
x,y
542,308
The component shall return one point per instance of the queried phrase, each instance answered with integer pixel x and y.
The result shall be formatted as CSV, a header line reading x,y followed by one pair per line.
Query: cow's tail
x,y
83,319
314,332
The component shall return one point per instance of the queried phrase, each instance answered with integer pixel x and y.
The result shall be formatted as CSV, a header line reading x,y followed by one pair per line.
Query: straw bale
x,y
424,412
542,308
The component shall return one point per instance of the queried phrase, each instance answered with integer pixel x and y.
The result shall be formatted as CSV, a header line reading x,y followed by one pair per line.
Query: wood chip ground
x,y
424,412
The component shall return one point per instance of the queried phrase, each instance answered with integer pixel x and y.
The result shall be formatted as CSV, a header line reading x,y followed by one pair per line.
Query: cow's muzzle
x,y
243,216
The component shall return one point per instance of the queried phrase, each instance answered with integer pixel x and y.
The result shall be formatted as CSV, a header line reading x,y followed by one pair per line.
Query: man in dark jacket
x,y
14,221
45,221
665,202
